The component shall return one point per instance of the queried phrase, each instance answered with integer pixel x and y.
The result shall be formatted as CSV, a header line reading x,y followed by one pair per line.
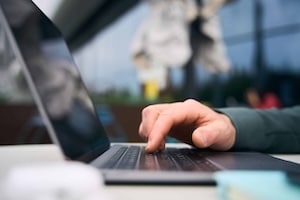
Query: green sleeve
x,y
270,131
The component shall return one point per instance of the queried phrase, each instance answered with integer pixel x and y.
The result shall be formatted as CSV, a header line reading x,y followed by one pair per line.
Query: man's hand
x,y
190,122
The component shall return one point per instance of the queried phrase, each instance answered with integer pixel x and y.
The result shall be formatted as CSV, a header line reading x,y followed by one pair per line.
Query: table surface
x,y
16,155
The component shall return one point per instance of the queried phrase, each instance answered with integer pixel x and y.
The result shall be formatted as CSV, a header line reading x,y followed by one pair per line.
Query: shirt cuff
x,y
247,124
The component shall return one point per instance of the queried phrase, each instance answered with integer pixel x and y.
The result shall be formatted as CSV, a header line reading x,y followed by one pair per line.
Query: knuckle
x,y
147,110
190,101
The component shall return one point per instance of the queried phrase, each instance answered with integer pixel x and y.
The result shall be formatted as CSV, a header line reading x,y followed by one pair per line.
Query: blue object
x,y
256,185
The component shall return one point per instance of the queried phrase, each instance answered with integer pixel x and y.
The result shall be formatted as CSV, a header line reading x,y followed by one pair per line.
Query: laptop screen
x,y
54,80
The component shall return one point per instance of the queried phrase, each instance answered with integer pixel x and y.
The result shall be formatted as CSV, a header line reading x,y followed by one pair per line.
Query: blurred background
x,y
134,53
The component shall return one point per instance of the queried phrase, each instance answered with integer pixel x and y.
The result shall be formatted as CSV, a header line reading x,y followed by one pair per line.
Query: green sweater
x,y
269,131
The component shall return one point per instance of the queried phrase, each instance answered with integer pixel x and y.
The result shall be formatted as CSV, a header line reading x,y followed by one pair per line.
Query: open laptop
x,y
72,123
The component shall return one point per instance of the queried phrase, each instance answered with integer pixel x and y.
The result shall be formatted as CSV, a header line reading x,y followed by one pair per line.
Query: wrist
x,y
230,132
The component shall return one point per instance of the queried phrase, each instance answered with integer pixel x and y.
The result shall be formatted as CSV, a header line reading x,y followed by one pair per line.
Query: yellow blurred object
x,y
151,91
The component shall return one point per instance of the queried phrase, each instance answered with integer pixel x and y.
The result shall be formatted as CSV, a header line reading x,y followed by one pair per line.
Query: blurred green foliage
x,y
232,87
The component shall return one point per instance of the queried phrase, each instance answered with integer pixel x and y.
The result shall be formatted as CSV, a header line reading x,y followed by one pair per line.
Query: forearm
x,y
271,131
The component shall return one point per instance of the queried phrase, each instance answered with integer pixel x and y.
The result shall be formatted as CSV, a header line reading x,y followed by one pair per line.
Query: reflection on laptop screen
x,y
64,99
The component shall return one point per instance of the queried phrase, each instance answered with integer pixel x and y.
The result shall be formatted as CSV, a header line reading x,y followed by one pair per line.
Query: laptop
x,y
70,118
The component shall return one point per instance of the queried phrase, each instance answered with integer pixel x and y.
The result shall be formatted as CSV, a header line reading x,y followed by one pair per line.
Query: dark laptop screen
x,y
65,103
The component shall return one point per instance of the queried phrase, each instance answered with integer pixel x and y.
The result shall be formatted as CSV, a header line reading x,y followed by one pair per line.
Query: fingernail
x,y
203,139
149,147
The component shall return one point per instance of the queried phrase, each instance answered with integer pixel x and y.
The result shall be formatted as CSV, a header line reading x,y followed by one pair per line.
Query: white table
x,y
15,155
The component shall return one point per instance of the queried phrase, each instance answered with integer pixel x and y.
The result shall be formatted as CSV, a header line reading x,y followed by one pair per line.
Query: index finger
x,y
149,117
177,113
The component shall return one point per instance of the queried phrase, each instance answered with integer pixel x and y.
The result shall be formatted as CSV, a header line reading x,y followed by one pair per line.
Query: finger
x,y
143,136
149,117
177,113
188,113
162,145
160,129
203,137
210,136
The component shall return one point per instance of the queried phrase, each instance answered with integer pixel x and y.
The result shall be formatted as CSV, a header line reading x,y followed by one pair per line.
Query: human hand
x,y
190,122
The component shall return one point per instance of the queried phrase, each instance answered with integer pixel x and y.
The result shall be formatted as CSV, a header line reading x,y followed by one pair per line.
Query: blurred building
x,y
104,54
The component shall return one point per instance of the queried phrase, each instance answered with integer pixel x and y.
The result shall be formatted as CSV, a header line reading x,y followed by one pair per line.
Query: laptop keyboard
x,y
135,157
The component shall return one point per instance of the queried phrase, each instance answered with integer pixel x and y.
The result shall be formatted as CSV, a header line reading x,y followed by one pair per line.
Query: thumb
x,y
203,137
